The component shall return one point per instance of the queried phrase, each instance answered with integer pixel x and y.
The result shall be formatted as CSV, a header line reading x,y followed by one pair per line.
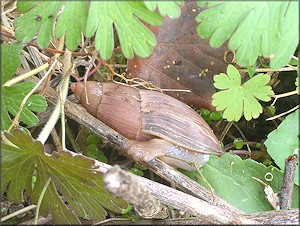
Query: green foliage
x,y
75,177
231,179
37,20
272,109
254,28
209,116
12,98
77,17
11,60
92,150
238,143
284,141
166,8
133,35
237,99
72,21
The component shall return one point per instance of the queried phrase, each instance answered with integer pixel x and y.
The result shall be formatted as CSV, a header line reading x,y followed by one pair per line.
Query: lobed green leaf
x,y
11,100
236,99
75,176
39,19
78,11
264,28
133,35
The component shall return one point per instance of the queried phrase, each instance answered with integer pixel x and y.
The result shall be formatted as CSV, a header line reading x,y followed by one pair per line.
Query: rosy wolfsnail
x,y
156,124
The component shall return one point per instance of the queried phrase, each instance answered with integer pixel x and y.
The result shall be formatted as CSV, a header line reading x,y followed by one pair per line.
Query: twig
x,y
284,113
225,131
28,95
291,93
269,69
124,185
26,75
47,49
274,217
40,200
23,210
285,194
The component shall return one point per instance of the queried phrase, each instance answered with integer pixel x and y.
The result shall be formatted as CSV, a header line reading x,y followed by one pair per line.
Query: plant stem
x,y
29,94
40,201
284,113
7,217
26,75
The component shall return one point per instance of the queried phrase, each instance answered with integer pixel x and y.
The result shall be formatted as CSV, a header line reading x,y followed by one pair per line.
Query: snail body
x,y
156,124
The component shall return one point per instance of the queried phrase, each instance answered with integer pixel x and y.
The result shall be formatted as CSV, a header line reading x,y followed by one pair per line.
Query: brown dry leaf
x,y
182,60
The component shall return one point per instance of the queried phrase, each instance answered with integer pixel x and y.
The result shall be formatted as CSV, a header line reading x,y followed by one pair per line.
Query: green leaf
x,y
24,6
166,8
39,19
11,60
133,35
238,143
237,99
284,141
78,11
231,179
74,176
256,28
11,100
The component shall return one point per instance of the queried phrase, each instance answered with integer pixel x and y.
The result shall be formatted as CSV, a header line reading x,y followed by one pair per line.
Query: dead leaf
x,y
182,60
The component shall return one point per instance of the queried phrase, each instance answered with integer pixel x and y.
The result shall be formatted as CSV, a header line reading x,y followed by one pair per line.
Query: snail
x,y
156,124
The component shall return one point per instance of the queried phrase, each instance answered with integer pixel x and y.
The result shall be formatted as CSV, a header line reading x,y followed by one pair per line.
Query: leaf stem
x,y
29,94
40,201
283,95
26,75
284,113
269,69
23,210
64,87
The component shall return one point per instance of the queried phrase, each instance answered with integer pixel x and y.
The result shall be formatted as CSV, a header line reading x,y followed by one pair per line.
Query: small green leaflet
x,y
166,8
231,179
267,28
236,99
11,100
284,141
75,177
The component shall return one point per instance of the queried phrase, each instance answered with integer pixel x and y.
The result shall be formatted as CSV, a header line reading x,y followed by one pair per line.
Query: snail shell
x,y
144,115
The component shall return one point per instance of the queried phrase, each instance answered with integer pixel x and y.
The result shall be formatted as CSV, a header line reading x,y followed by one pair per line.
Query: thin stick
x,y
29,94
26,75
40,201
269,69
283,95
284,113
288,182
23,210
